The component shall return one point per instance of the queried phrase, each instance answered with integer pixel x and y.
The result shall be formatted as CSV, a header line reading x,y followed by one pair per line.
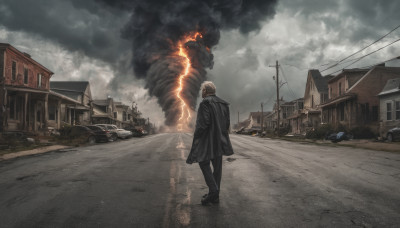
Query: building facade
x,y
25,91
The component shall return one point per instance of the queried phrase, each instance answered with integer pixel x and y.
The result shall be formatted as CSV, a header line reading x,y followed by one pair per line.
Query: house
x,y
293,115
270,122
389,103
74,99
274,116
124,115
104,111
59,113
316,93
353,99
25,91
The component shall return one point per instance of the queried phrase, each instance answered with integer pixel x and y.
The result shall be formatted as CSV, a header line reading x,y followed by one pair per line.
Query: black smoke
x,y
156,27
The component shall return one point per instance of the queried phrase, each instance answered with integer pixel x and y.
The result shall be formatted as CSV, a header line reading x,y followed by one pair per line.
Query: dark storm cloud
x,y
355,20
156,27
77,25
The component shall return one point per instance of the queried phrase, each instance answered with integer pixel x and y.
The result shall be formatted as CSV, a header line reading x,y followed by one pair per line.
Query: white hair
x,y
209,87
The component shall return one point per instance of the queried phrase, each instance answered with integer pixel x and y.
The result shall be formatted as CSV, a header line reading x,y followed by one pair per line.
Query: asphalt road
x,y
145,182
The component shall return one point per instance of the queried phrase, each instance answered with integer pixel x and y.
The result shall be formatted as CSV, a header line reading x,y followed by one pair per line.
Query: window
x,y
340,88
39,80
374,113
115,115
330,92
25,76
342,112
13,70
397,110
388,111
124,116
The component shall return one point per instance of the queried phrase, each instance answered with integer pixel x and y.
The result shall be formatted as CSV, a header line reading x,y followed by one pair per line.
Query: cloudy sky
x,y
81,40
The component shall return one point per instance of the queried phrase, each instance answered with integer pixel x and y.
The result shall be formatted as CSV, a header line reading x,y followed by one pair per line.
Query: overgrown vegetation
x,y
320,132
362,133
325,130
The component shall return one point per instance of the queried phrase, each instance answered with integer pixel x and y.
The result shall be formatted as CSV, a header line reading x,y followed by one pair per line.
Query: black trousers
x,y
212,178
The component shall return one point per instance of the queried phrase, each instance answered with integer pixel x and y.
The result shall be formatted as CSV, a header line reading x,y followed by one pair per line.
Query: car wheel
x,y
92,139
390,137
114,137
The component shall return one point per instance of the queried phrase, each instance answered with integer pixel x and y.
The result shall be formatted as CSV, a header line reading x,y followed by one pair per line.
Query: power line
x,y
360,49
367,55
284,77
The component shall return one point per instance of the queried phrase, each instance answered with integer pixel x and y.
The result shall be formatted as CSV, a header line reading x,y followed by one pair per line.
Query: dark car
x,y
393,134
111,129
82,132
135,132
101,134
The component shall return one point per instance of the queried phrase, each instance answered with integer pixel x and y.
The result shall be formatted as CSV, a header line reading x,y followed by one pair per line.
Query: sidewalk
x,y
366,144
31,152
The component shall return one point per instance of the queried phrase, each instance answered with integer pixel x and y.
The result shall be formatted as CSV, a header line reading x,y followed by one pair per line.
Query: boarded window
x,y
397,110
13,70
39,76
388,111
25,76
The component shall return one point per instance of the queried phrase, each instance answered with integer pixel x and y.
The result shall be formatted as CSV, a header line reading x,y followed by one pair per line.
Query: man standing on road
x,y
211,140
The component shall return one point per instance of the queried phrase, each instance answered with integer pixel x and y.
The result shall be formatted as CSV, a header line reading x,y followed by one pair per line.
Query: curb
x,y
40,150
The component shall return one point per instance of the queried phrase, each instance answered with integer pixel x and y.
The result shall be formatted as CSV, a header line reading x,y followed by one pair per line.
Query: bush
x,y
362,132
320,132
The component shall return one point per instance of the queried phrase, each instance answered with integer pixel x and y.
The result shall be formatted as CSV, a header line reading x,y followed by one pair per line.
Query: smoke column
x,y
157,26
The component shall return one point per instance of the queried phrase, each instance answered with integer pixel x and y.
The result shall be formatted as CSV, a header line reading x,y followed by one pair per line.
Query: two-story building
x,y
353,99
24,91
316,93
104,111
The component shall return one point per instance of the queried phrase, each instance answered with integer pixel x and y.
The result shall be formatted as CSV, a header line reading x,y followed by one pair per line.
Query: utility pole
x,y
262,117
277,92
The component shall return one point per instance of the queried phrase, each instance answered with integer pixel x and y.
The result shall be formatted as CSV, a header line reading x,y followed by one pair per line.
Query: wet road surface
x,y
145,182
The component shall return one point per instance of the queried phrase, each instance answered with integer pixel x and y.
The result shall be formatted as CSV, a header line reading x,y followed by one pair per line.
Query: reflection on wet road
x,y
145,182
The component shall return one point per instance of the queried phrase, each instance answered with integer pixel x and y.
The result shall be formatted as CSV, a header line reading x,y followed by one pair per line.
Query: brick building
x,y
24,93
353,99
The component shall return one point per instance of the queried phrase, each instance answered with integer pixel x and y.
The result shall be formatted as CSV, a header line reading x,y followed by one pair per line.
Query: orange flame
x,y
185,110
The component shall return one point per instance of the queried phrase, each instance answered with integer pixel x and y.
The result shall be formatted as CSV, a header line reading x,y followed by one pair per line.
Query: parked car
x,y
135,132
121,133
101,134
112,130
393,134
83,132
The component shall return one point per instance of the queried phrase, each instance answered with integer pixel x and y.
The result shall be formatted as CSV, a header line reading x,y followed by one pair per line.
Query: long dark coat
x,y
211,137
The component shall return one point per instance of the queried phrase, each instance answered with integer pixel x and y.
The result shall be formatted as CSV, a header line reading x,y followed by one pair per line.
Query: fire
x,y
185,110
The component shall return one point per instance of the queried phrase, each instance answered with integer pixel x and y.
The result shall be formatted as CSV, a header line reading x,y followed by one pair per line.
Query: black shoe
x,y
210,198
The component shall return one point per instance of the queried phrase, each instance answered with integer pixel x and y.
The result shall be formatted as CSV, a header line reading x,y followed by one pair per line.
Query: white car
x,y
121,133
